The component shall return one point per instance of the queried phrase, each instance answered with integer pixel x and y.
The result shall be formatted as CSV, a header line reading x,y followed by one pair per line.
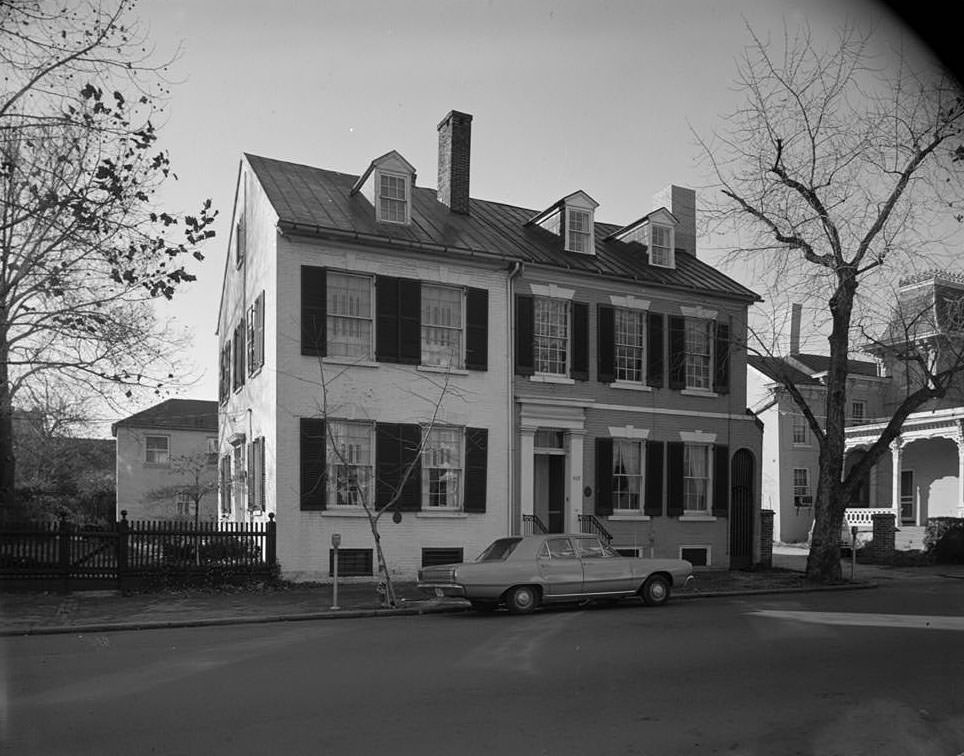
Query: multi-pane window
x,y
225,482
578,230
349,319
157,450
630,344
238,481
441,326
255,335
801,487
551,336
801,432
392,202
183,504
627,483
858,411
699,341
442,469
349,460
661,246
696,477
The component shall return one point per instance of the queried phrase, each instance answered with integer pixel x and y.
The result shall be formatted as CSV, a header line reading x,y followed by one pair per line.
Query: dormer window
x,y
661,252
578,230
392,198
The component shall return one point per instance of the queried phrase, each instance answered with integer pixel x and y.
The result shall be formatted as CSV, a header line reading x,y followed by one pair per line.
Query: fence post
x,y
766,538
63,551
123,530
271,544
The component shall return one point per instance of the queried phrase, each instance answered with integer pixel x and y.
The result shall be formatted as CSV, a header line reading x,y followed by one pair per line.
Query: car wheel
x,y
655,591
522,599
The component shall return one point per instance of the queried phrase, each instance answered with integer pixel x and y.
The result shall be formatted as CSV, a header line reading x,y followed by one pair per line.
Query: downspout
x,y
514,271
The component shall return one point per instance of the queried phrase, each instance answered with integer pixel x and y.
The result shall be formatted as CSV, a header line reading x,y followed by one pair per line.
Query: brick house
x,y
147,443
535,370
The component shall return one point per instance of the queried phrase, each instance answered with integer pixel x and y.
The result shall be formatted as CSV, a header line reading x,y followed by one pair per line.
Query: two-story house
x,y
166,461
485,369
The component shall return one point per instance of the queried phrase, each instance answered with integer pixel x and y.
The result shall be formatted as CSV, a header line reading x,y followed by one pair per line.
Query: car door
x,y
559,568
603,570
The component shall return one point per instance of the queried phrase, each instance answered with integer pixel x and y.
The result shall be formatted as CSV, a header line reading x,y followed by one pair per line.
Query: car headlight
x,y
455,575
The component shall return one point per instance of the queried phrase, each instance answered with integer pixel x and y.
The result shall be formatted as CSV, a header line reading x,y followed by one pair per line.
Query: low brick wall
x,y
766,538
882,548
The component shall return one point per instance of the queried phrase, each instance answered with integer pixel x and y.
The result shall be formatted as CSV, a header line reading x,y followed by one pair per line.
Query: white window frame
x,y
579,239
640,445
349,319
802,491
348,459
690,480
666,256
386,180
540,360
799,423
154,454
620,371
691,357
434,459
427,328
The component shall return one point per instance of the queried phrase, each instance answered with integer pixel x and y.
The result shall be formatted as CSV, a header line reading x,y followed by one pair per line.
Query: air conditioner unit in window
x,y
803,501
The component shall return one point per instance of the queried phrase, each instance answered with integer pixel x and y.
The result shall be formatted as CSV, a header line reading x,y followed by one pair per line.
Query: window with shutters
x,y
630,345
237,379
224,379
349,315
696,478
551,336
392,198
225,484
240,242
661,252
699,354
442,468
256,476
442,326
350,463
240,475
255,335
627,484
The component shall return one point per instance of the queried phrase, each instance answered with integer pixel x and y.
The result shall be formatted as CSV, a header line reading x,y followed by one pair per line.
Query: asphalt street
x,y
862,672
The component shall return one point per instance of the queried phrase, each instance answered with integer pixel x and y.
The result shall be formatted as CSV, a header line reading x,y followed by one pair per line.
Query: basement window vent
x,y
351,563
698,556
432,557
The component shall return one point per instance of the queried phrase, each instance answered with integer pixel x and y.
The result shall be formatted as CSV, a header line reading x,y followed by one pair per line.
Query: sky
x,y
603,96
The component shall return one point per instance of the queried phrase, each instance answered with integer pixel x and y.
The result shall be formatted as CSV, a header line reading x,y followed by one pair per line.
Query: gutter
x,y
516,269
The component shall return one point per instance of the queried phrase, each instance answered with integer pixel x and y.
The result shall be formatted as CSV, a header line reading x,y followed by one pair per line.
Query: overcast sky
x,y
600,96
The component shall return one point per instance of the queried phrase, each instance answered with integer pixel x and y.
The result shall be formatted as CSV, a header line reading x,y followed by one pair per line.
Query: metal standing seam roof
x,y
318,200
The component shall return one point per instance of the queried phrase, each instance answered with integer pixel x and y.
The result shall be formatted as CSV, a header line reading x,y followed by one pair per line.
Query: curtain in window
x,y
441,326
698,353
627,474
695,477
551,335
349,323
630,344
349,464
442,460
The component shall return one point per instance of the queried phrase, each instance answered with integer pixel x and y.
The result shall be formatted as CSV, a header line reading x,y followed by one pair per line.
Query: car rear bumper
x,y
443,590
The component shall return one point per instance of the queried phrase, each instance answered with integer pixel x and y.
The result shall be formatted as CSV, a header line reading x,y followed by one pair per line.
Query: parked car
x,y
865,534
523,572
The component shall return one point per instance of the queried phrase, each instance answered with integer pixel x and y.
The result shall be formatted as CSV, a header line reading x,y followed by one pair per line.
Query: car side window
x,y
560,548
590,548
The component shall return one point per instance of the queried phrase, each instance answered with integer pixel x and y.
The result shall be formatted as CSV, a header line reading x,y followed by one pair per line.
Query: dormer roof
x,y
391,161
577,199
659,215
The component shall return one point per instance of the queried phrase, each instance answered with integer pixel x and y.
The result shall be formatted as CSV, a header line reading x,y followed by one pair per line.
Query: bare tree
x,y
837,176
83,248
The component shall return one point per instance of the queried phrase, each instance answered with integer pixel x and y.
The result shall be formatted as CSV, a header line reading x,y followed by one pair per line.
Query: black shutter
x,y
721,480
525,326
476,329
312,463
604,475
677,353
386,319
654,350
674,478
721,357
409,321
396,445
476,468
314,310
580,341
605,344
654,479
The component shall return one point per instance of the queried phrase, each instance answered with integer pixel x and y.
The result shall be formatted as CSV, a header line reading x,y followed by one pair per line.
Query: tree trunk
x,y
7,460
382,565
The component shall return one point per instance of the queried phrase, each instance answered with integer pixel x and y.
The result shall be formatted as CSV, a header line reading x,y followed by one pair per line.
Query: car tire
x,y
522,599
655,591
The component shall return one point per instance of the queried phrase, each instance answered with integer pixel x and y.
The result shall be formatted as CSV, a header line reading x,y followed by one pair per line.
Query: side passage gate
x,y
741,510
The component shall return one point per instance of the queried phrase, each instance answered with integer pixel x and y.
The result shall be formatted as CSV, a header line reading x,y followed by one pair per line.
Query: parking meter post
x,y
335,543
853,550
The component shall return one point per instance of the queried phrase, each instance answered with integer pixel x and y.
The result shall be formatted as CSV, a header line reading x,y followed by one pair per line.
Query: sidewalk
x,y
102,611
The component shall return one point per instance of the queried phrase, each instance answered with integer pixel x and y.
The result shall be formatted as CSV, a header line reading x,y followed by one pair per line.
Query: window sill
x,y
629,517
344,512
547,378
157,465
697,518
630,386
442,370
700,392
442,514
349,362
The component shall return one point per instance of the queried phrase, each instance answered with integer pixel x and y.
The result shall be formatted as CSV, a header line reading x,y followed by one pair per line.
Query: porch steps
x,y
909,538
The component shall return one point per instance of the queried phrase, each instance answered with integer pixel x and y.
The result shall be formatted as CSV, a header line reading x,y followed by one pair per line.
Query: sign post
x,y
335,543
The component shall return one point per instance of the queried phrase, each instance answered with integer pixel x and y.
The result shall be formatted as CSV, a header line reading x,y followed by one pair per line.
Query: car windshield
x,y
498,550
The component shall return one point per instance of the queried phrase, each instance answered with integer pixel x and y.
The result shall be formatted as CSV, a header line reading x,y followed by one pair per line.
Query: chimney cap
x,y
454,114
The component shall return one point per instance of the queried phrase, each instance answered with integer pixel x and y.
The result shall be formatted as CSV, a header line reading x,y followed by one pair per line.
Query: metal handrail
x,y
590,524
535,525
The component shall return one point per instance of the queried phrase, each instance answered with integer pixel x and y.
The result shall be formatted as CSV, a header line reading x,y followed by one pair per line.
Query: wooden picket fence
x,y
125,552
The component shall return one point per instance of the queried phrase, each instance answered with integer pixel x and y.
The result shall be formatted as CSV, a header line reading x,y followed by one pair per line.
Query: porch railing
x,y
863,517
532,525
589,523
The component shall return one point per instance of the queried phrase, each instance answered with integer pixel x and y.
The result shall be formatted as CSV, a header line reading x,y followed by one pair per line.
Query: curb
x,y
427,608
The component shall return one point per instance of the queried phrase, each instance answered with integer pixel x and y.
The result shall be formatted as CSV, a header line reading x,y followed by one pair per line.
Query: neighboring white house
x,y
533,370
148,441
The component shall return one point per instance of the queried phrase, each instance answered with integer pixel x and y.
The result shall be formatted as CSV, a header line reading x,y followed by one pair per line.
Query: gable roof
x,y
174,414
779,370
820,363
318,202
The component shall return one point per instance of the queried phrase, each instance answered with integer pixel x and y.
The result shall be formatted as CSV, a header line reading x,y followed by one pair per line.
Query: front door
x,y
557,494
907,514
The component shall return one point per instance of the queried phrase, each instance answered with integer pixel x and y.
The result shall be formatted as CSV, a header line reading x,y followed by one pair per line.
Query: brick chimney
x,y
681,202
796,311
454,148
